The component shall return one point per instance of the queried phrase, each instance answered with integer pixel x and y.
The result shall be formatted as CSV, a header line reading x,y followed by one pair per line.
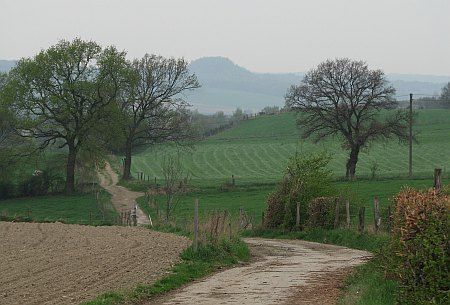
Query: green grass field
x,y
253,199
257,151
78,208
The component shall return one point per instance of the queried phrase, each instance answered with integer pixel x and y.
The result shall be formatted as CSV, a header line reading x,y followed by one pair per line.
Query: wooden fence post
x,y
229,230
297,220
376,214
347,212
196,225
233,182
241,217
361,219
437,179
336,213
134,216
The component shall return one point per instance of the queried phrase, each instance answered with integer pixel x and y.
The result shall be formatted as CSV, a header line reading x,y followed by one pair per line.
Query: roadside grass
x,y
79,208
340,237
252,199
367,286
195,264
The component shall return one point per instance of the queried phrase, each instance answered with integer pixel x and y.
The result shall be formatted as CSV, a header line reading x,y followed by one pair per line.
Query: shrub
x,y
305,178
48,181
274,215
7,189
420,249
321,213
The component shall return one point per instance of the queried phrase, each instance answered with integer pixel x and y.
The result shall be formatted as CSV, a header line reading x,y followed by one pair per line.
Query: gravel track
x,y
54,263
122,199
286,272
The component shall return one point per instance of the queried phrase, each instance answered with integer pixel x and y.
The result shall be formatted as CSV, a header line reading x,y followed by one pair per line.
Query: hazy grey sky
x,y
404,36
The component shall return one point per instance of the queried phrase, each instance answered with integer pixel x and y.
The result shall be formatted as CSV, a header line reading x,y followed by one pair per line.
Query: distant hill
x,y
6,65
226,86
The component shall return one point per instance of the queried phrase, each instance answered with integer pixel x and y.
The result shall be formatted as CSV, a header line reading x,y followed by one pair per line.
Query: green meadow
x,y
257,151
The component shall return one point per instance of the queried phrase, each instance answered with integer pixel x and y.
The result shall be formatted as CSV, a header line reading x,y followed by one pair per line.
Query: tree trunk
x,y
70,170
127,165
351,163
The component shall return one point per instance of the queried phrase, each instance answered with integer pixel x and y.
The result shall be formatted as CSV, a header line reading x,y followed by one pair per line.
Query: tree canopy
x,y
61,94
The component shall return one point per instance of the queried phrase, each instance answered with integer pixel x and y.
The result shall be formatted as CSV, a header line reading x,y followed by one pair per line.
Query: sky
x,y
398,36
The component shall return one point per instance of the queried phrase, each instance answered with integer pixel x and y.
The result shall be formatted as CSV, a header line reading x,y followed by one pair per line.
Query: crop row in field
x,y
258,150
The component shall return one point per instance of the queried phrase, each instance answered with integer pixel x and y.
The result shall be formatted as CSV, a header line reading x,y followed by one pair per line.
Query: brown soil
x,y
323,288
122,199
53,263
285,272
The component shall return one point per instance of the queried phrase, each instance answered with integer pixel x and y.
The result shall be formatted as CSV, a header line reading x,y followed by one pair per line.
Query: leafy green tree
x,y
152,105
7,133
61,95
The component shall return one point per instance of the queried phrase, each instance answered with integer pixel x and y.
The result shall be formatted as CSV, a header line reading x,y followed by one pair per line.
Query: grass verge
x,y
340,237
367,286
194,265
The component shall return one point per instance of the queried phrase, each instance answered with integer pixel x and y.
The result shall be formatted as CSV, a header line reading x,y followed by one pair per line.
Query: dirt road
x,y
53,263
122,199
287,272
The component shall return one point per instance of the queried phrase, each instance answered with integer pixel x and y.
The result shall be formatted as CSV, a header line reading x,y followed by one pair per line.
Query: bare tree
x,y
151,102
175,180
344,98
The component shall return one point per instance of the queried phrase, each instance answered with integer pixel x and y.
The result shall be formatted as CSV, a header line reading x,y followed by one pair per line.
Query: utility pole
x,y
410,133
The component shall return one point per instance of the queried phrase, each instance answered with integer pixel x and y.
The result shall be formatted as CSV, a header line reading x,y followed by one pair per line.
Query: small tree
x,y
445,95
151,103
61,95
238,114
175,181
344,98
306,177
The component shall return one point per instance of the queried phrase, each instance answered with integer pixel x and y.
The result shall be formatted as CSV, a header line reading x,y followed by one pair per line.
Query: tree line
x,y
82,97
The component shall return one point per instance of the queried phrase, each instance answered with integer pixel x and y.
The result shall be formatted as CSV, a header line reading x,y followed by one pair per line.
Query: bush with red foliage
x,y
419,250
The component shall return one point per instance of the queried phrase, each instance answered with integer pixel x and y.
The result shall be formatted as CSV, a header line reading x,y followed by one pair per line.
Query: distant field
x,y
257,151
